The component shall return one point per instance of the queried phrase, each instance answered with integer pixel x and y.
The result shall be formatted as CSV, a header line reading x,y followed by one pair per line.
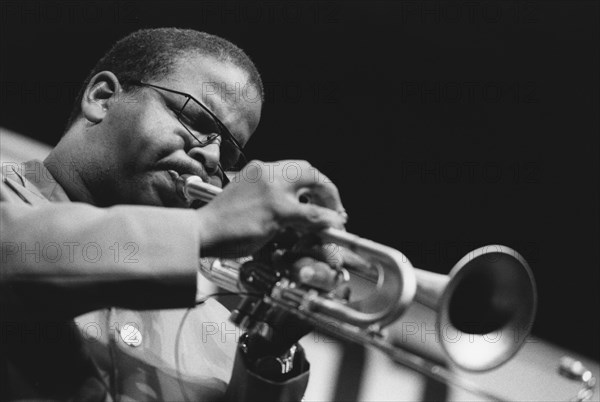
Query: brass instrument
x,y
482,311
490,291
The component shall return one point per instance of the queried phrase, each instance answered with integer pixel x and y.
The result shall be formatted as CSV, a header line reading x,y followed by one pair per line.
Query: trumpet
x,y
487,302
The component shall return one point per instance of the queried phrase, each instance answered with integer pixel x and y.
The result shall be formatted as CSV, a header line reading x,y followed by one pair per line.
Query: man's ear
x,y
103,87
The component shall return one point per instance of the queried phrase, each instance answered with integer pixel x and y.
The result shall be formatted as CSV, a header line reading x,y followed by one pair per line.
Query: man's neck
x,y
66,170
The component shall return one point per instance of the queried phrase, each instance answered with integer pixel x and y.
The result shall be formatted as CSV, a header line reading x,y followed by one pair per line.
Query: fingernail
x,y
307,273
343,214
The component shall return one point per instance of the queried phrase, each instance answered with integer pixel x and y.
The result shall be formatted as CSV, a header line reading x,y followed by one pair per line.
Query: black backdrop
x,y
446,126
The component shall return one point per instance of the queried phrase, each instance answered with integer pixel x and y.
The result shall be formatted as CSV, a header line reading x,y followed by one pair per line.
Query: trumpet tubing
x,y
481,312
397,284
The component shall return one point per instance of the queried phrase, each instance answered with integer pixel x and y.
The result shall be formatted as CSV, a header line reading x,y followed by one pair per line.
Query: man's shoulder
x,y
14,187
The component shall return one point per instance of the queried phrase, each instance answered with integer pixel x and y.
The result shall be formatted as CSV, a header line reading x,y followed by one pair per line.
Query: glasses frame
x,y
224,132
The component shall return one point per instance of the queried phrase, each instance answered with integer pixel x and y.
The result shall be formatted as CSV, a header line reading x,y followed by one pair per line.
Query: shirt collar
x,y
42,181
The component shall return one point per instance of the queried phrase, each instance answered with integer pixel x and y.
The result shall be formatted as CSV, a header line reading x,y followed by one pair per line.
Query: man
x,y
85,232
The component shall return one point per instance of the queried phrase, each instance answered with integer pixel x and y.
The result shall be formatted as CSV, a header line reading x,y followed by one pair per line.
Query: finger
x,y
310,181
322,192
311,246
310,218
315,273
351,259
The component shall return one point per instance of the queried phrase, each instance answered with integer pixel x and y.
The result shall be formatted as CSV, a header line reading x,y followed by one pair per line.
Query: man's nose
x,y
208,155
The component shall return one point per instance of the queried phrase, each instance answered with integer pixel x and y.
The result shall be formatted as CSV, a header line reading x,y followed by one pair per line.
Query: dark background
x,y
446,126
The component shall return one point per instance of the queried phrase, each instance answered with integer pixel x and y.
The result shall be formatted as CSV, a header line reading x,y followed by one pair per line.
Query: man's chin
x,y
178,203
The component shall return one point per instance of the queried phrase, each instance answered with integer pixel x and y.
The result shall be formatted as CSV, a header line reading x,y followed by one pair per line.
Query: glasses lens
x,y
199,122
203,125
232,158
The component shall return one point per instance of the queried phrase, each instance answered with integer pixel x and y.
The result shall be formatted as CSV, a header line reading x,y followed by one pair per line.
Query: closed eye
x,y
176,112
199,121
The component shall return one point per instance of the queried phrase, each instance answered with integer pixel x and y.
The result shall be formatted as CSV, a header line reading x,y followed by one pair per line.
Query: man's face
x,y
145,146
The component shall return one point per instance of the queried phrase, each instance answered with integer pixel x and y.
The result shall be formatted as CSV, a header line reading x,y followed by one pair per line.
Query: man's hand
x,y
262,200
265,351
310,266
273,332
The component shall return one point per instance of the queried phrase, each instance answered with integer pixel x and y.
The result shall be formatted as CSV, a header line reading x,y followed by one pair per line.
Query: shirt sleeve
x,y
70,258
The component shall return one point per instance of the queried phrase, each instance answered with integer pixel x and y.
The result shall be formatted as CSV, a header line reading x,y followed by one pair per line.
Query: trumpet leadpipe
x,y
396,287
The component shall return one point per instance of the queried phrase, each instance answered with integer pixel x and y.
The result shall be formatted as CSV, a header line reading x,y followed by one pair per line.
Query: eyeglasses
x,y
200,121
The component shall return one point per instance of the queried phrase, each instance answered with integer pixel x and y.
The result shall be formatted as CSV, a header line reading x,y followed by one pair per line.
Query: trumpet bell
x,y
480,314
477,317
489,303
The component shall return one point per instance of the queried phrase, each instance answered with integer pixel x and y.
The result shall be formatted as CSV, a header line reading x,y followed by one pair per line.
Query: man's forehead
x,y
216,83
220,85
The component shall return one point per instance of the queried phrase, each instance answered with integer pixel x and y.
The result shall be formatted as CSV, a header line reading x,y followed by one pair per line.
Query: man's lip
x,y
214,180
180,180
178,171
179,183
173,174
176,178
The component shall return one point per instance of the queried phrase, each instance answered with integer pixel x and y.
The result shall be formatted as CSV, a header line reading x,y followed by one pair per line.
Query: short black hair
x,y
151,53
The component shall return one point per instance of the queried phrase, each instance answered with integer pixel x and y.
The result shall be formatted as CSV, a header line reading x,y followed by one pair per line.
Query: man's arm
x,y
70,258
91,272
73,258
